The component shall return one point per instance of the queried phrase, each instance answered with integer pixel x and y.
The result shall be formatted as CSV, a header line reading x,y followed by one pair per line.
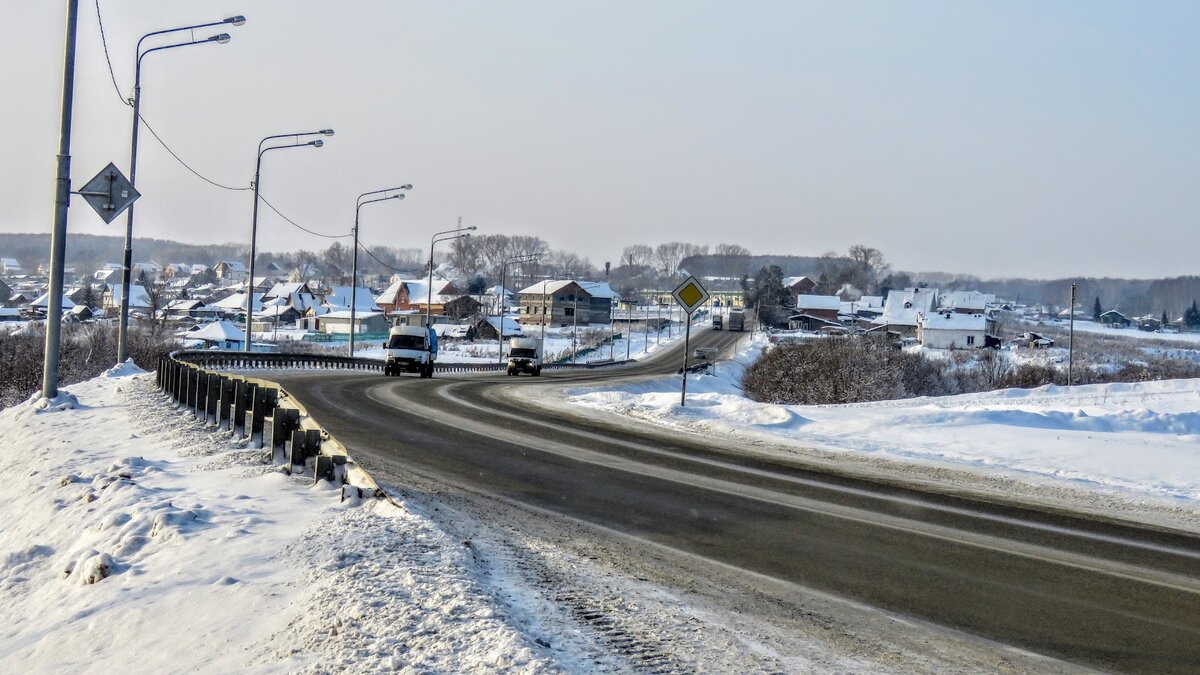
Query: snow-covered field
x,y
1141,440
1131,333
133,540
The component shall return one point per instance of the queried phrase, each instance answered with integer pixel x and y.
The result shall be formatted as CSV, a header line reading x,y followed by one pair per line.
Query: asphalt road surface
x,y
1104,594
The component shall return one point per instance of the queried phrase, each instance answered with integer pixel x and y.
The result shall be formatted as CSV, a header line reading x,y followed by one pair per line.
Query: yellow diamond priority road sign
x,y
690,295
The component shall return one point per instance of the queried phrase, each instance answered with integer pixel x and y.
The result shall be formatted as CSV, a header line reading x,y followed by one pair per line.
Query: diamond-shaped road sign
x,y
109,193
690,295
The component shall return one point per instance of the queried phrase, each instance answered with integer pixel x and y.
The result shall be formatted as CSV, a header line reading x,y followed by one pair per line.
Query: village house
x,y
902,309
338,323
10,267
797,286
1114,319
814,312
966,302
413,294
556,302
949,330
219,335
230,271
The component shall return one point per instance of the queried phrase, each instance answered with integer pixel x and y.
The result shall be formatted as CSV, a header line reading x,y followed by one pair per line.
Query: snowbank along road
x,y
1098,593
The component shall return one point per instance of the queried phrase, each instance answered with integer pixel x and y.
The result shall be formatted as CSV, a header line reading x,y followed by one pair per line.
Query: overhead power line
x,y
104,42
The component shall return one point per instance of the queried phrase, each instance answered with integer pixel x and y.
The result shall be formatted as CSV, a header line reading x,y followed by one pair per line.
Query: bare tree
x,y
668,255
638,255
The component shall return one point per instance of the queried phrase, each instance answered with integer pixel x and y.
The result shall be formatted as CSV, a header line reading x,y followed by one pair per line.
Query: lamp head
x,y
238,20
317,143
223,38
472,228
397,196
405,187
326,132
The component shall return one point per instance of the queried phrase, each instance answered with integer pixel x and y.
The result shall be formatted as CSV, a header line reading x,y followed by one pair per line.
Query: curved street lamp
x,y
136,102
511,260
254,218
457,233
359,203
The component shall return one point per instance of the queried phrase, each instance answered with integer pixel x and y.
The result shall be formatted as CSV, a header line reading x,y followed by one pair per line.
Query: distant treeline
x,y
89,252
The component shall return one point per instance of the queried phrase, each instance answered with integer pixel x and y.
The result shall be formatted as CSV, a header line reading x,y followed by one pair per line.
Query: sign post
x,y
691,296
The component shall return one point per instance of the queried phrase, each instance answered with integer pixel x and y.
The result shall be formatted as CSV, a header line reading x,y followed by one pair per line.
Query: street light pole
x,y
136,102
254,217
62,200
500,312
358,204
457,233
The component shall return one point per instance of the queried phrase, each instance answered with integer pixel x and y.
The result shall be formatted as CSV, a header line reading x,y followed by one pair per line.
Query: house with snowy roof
x,y
797,286
219,335
947,329
231,271
814,312
566,301
902,309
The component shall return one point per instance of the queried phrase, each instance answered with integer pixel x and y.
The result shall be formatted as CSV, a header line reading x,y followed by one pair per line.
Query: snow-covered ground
x,y
1141,440
131,539
1131,333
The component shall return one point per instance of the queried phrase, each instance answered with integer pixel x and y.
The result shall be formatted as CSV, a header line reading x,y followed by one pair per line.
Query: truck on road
x,y
410,349
716,322
525,356
737,320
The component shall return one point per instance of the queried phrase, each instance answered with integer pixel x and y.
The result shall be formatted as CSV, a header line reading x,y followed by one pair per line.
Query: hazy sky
x,y
1036,139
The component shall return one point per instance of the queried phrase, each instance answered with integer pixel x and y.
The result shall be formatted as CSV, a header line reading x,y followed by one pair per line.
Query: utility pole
x,y
574,327
62,197
1071,341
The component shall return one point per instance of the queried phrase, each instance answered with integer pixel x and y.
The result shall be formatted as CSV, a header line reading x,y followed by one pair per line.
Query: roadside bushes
x,y
86,350
854,370
842,370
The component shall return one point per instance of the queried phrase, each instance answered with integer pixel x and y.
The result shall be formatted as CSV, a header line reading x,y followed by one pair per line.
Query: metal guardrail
x,y
248,406
278,360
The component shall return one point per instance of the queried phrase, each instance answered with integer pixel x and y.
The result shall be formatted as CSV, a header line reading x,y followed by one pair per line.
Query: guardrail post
x,y
214,395
178,390
193,377
264,405
323,469
297,451
201,394
243,396
226,402
283,422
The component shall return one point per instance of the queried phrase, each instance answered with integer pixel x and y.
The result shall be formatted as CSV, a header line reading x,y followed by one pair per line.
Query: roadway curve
x,y
1099,593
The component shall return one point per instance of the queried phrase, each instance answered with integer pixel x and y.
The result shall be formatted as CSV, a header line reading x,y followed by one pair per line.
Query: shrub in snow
x,y
90,568
838,370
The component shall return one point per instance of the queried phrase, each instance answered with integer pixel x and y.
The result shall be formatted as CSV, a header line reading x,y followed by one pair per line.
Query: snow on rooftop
x,y
818,302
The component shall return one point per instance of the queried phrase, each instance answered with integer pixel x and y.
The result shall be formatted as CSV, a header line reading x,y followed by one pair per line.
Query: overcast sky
x,y
1039,139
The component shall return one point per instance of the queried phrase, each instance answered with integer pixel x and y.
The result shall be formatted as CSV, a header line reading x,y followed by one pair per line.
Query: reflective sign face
x,y
690,295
